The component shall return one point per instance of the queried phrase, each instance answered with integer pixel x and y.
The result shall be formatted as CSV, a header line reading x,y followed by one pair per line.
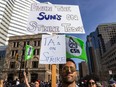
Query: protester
x,y
22,83
17,82
36,84
69,74
112,83
91,82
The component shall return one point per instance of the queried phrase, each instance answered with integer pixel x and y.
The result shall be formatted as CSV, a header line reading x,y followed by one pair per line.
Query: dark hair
x,y
68,59
91,78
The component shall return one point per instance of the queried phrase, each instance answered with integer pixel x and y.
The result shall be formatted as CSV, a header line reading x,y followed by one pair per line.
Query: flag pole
x,y
53,75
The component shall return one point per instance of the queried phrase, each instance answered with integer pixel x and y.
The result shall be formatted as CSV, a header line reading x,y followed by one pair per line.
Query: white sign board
x,y
53,49
110,72
49,18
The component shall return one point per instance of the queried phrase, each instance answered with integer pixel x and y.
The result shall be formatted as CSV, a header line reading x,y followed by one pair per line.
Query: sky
x,y
93,13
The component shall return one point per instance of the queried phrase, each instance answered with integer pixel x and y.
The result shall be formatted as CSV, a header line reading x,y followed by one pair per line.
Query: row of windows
x,y
112,65
113,54
17,29
14,52
1,43
111,60
20,18
14,64
2,38
17,44
22,4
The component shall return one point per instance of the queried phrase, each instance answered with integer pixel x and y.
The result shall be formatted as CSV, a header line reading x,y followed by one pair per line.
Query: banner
x,y
29,52
75,48
50,18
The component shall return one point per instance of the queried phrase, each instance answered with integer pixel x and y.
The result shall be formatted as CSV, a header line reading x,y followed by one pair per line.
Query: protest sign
x,y
53,49
49,18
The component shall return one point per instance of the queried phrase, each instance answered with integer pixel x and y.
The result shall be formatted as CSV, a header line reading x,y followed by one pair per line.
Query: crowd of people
x,y
68,79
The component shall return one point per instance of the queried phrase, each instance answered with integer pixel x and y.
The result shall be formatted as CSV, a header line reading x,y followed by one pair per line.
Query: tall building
x,y
15,64
92,48
101,50
83,69
107,47
13,18
107,36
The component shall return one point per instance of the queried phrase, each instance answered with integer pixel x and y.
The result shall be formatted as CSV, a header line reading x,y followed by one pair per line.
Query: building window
x,y
34,52
22,65
36,43
23,52
12,65
34,64
37,51
14,52
15,44
26,43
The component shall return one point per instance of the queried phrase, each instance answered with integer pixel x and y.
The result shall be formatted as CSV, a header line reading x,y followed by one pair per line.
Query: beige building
x,y
15,64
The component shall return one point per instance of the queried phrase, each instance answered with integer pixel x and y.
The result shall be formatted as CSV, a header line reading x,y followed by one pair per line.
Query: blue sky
x,y
93,13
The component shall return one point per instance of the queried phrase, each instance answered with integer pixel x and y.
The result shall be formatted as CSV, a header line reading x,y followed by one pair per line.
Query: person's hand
x,y
24,73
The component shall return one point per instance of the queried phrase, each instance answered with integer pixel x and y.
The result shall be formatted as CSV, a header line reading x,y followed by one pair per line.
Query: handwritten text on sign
x,y
49,18
53,49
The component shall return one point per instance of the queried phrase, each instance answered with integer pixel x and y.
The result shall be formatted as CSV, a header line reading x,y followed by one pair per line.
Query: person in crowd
x,y
17,81
36,84
69,74
112,83
22,82
91,82
98,84
42,84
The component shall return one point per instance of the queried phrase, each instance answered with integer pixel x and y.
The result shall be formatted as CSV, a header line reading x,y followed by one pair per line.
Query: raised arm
x,y
26,80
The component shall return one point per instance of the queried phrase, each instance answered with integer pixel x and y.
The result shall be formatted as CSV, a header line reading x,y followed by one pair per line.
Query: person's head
x,y
69,73
91,83
112,83
37,83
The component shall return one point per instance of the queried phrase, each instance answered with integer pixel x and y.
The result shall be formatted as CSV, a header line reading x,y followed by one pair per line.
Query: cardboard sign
x,y
53,49
49,18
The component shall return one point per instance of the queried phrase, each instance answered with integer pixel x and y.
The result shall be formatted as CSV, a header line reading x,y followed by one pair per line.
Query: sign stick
x,y
53,75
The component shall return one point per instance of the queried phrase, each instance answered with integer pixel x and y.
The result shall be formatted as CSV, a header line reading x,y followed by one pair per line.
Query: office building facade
x,y
15,64
13,18
101,50
107,44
